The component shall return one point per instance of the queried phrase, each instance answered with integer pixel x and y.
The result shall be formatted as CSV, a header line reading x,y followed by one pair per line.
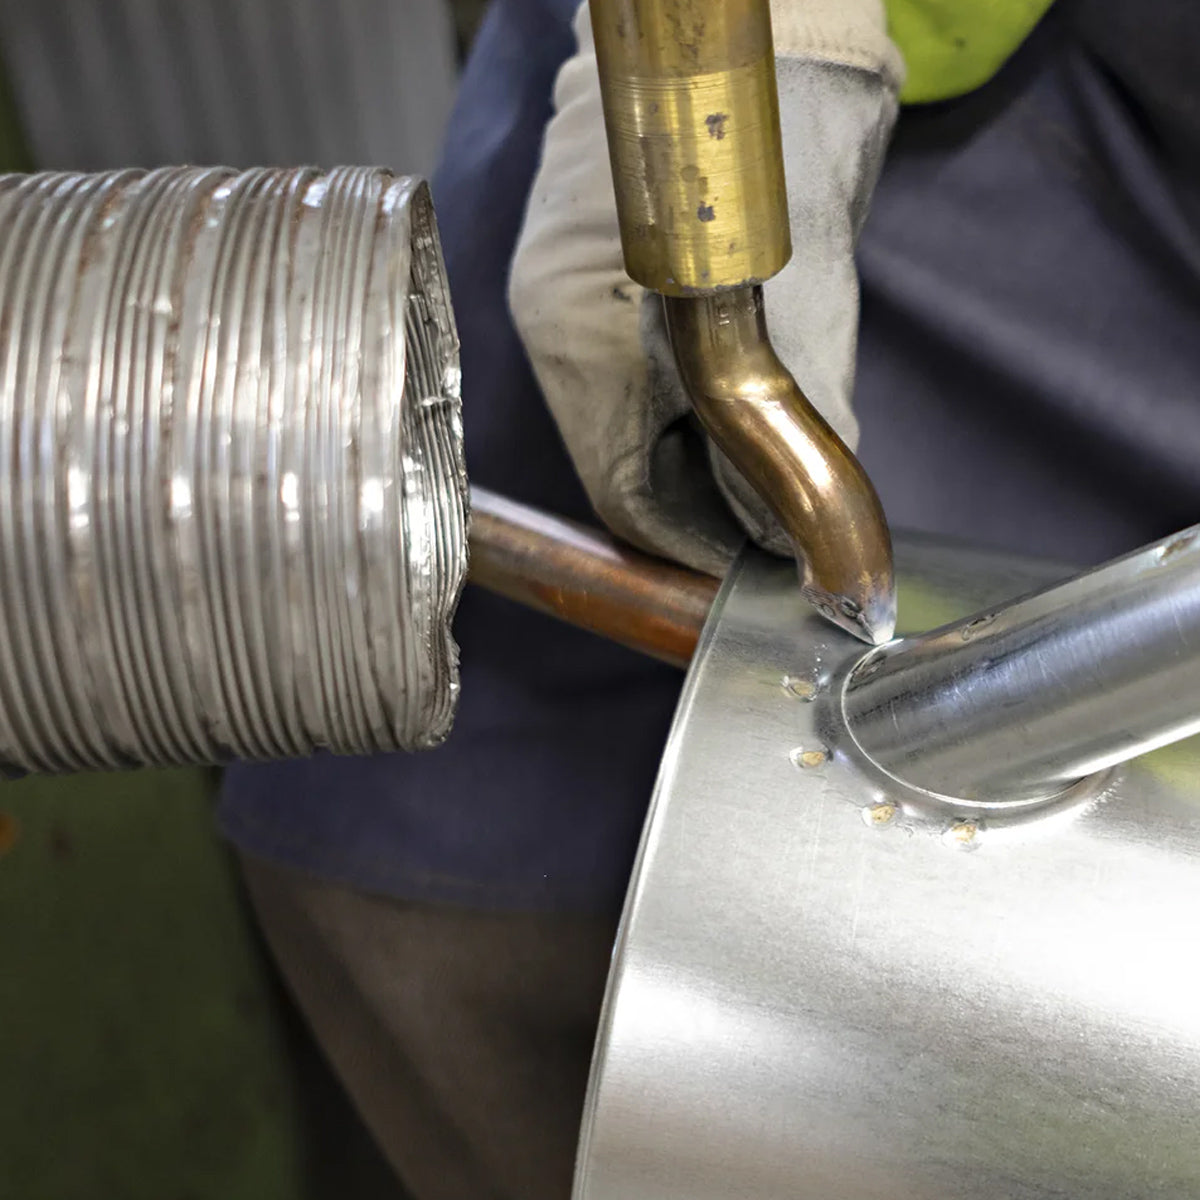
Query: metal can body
x,y
233,523
828,984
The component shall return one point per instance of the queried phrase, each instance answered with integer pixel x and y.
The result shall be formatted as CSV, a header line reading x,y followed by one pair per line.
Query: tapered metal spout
x,y
1018,703
756,413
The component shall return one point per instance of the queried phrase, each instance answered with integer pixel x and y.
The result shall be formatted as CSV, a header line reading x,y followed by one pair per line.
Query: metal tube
x,y
233,521
1018,703
588,579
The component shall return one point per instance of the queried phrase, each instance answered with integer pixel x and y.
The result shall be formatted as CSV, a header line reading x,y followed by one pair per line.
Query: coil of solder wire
x,y
233,504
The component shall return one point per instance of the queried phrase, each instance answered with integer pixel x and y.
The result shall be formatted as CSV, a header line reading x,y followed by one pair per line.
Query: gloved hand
x,y
597,340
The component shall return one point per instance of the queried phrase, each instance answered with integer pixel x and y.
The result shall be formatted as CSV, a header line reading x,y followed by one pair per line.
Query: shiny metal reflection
x,y
691,110
234,519
1018,702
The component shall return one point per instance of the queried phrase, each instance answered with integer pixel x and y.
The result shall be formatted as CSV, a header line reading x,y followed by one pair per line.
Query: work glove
x,y
597,341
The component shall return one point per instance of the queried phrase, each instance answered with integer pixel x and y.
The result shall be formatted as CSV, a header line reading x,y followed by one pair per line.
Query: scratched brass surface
x,y
693,126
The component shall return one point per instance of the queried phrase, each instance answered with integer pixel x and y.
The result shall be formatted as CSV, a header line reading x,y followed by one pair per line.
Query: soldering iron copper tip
x,y
871,616
755,411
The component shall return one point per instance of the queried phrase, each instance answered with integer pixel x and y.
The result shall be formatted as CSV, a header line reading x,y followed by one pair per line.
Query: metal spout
x,y
756,413
1016,704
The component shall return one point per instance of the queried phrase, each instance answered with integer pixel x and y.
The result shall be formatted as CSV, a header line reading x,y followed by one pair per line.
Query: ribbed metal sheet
x,y
233,523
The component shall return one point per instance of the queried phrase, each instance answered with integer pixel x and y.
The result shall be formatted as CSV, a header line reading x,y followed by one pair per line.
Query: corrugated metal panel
x,y
104,83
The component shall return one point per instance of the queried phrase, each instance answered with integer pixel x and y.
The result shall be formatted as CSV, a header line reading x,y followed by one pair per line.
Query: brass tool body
x,y
692,115
693,134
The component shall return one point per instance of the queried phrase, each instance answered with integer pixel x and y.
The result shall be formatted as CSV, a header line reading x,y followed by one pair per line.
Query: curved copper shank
x,y
756,413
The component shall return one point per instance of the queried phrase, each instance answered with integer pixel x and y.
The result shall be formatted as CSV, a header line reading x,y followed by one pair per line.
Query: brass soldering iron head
x,y
756,413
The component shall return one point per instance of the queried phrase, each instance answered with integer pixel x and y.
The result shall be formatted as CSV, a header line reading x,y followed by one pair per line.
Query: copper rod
x,y
753,408
587,578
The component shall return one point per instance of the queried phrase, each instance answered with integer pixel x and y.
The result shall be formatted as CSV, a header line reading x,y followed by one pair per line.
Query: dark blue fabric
x,y
1029,367
536,800
1028,378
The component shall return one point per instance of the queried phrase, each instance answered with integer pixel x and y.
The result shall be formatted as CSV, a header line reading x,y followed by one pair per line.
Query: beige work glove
x,y
597,340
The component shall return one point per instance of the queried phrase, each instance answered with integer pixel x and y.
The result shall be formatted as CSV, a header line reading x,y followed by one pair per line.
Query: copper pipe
x,y
587,578
756,413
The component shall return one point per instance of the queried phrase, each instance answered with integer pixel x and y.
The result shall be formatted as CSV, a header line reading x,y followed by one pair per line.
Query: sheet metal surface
x,y
828,987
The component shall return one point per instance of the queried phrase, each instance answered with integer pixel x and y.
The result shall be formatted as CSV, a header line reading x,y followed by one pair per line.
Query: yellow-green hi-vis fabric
x,y
954,46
